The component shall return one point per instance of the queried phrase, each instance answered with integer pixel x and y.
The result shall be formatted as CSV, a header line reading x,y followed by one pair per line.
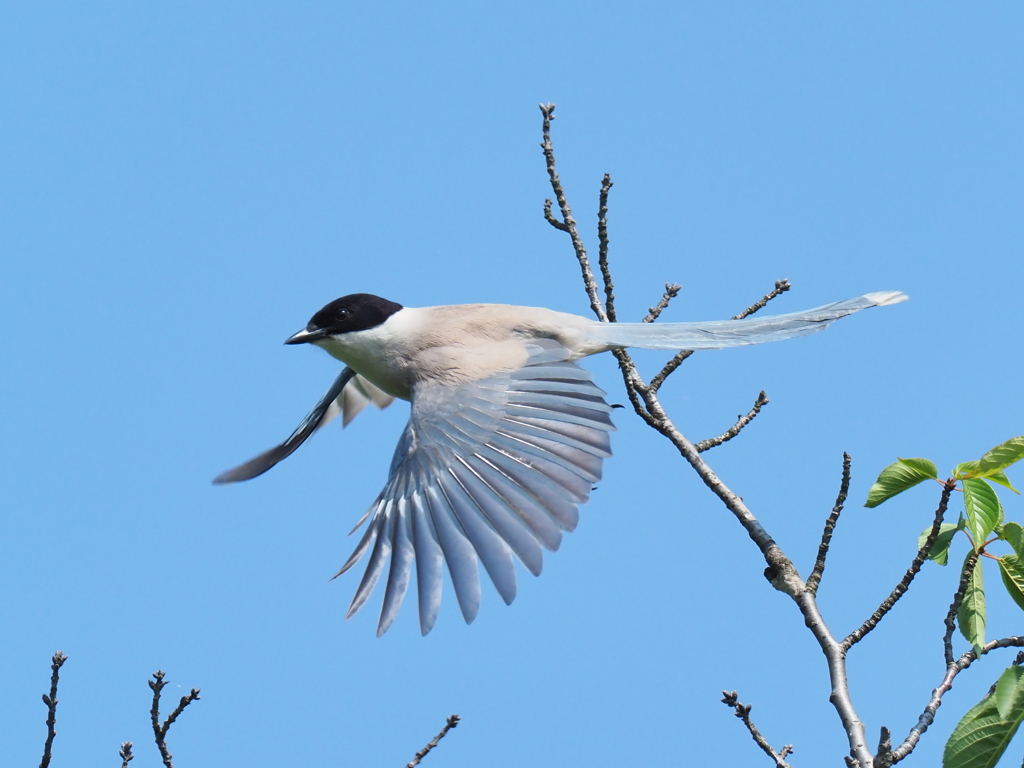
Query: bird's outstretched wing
x,y
348,395
484,470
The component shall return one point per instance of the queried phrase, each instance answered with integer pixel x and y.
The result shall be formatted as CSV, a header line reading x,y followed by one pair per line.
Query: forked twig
x,y
451,723
928,715
160,730
781,286
742,711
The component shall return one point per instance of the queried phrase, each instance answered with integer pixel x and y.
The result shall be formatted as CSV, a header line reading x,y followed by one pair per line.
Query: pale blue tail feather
x,y
720,334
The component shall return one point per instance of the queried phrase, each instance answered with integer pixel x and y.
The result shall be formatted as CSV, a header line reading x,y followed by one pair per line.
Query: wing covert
x,y
484,471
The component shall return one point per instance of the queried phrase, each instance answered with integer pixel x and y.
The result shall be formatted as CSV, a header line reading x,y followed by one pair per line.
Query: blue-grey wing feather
x,y
485,471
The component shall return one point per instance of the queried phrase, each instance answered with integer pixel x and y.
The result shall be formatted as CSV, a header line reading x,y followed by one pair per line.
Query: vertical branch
x,y
51,703
602,257
126,754
160,730
568,223
830,525
950,622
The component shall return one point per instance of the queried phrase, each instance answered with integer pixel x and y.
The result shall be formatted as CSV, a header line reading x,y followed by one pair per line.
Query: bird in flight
x,y
506,433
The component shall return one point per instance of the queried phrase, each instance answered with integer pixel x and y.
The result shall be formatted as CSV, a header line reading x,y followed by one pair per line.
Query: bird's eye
x,y
342,314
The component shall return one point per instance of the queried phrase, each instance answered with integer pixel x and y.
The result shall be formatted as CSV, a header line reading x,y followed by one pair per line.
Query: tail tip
x,y
885,298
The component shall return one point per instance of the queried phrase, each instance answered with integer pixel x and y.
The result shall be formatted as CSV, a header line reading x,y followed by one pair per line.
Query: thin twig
x,y
958,597
830,525
51,703
741,422
669,369
452,722
126,754
731,699
602,253
922,554
781,286
160,731
568,223
671,291
952,670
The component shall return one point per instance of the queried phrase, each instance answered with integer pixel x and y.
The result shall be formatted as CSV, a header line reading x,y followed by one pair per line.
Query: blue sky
x,y
182,186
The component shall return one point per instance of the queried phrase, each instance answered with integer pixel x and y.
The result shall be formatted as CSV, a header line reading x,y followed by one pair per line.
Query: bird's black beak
x,y
305,336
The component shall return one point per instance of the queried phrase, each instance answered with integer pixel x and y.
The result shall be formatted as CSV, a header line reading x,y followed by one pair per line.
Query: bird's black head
x,y
355,312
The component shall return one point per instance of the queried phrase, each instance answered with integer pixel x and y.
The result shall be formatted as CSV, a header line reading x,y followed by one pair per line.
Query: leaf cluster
x,y
984,733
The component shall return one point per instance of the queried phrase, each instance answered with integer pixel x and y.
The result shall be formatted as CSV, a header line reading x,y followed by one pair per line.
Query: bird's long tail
x,y
719,334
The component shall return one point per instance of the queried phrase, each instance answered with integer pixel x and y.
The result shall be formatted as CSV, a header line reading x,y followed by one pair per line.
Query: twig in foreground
x,y
160,731
830,525
922,554
781,286
51,702
741,422
928,715
126,754
602,253
452,722
958,597
731,699
671,291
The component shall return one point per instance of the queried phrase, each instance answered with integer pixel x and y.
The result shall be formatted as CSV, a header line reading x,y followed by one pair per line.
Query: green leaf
x,y
1014,534
898,477
925,467
967,469
971,616
1002,456
1012,571
940,549
984,512
1003,480
1008,691
981,737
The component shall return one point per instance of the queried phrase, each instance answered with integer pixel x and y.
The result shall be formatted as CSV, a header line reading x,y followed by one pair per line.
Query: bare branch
x,y
51,703
922,554
731,699
160,730
568,223
602,253
671,291
781,286
781,572
452,722
830,525
126,754
958,597
928,715
742,421
669,369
